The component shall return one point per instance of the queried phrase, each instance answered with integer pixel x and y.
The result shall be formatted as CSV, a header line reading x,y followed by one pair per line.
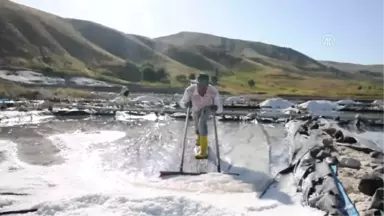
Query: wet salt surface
x,y
107,167
104,167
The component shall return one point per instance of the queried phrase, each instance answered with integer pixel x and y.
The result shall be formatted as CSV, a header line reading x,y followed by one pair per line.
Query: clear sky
x,y
337,30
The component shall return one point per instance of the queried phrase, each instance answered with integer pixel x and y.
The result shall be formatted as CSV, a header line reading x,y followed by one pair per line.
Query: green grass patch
x,y
273,82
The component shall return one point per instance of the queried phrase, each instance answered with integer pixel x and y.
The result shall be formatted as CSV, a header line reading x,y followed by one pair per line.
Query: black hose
x,y
22,211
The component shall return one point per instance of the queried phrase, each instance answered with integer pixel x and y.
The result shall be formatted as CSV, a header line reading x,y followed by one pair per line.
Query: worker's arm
x,y
186,97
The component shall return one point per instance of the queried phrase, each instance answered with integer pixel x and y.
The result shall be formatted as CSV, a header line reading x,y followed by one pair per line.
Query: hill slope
x,y
31,37
129,47
373,71
234,51
34,39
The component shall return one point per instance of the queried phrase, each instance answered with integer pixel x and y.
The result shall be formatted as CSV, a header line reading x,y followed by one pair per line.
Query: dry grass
x,y
15,91
68,92
275,82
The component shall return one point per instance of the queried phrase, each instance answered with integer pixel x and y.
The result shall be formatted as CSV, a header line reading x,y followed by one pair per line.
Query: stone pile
x,y
360,171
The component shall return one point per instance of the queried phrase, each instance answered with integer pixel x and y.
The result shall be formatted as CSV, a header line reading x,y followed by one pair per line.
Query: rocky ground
x,y
360,168
351,177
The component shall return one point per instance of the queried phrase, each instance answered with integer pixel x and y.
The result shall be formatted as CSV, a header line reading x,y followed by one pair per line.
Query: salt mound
x,y
276,103
148,99
319,105
378,102
235,100
346,102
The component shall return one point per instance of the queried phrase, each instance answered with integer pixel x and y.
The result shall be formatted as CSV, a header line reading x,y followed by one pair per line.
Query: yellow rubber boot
x,y
197,140
203,148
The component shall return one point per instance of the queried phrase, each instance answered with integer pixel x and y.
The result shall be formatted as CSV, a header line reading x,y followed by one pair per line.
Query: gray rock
x,y
377,161
327,142
303,130
315,150
379,169
330,131
349,162
373,212
323,154
339,136
370,183
377,155
22,109
377,201
314,126
350,140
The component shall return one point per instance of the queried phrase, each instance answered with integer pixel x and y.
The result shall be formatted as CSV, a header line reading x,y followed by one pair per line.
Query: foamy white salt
x,y
12,118
83,186
84,81
30,77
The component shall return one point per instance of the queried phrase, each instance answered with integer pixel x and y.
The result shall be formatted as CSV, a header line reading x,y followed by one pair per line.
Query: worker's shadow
x,y
258,180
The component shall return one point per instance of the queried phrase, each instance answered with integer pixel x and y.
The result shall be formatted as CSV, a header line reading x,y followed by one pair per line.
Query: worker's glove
x,y
188,104
213,108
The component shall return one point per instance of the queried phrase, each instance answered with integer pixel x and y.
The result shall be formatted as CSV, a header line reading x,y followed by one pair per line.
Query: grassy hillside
x,y
274,69
232,51
34,39
358,70
127,47
354,67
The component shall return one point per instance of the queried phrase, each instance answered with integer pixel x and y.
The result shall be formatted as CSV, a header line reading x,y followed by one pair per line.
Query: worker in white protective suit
x,y
203,99
122,98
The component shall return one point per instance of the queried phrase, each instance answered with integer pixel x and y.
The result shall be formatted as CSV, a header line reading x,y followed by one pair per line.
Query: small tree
x,y
161,74
214,80
217,75
359,88
147,64
130,72
181,78
48,70
251,83
148,74
192,76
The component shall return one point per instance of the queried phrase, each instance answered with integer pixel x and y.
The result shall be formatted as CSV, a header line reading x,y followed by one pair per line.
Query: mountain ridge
x,y
43,41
